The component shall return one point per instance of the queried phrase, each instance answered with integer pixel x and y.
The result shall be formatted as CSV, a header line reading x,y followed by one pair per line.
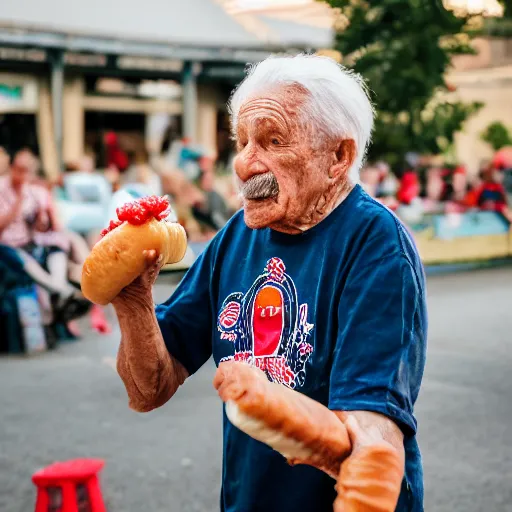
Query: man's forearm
x,y
150,374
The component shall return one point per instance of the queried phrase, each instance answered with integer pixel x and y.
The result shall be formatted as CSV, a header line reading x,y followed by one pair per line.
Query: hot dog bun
x,y
301,429
118,258
370,480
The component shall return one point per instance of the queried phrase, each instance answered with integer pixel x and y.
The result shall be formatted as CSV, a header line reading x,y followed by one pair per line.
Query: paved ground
x,y
70,403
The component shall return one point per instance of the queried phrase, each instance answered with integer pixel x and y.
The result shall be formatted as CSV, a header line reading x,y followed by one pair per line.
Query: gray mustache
x,y
261,186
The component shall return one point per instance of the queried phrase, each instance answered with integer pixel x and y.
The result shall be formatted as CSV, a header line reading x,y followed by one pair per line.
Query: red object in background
x,y
503,159
409,187
492,197
115,155
99,321
450,87
70,486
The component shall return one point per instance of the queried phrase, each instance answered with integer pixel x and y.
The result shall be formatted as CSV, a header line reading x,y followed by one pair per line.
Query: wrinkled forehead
x,y
280,105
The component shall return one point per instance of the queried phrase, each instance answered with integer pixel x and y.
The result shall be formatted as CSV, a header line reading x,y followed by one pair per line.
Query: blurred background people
x,y
27,225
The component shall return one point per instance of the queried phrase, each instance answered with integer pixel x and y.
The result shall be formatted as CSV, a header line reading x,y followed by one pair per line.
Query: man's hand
x,y
371,477
300,428
150,374
139,292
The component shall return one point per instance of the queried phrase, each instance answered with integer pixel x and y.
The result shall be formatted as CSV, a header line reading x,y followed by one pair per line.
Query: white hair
x,y
338,105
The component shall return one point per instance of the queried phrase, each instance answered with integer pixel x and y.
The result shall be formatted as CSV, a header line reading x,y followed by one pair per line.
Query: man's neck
x,y
320,211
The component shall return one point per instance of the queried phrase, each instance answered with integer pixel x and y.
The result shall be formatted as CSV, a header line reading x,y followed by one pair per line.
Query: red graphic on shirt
x,y
268,327
229,315
267,321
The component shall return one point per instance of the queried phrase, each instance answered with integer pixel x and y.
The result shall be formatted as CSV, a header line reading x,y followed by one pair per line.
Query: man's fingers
x,y
153,262
358,437
353,427
151,258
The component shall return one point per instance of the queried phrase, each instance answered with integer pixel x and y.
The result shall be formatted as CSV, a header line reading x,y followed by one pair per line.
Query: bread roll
x,y
118,258
370,480
301,429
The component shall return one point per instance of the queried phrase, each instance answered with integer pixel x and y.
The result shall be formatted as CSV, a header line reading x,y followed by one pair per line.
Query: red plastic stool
x,y
70,486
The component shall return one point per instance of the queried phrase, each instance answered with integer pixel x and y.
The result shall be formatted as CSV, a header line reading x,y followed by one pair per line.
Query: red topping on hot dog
x,y
139,212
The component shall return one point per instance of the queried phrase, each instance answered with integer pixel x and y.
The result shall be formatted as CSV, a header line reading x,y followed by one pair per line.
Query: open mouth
x,y
268,321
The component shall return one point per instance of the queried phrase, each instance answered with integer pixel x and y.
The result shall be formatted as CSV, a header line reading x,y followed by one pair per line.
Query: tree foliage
x,y
404,49
497,136
507,8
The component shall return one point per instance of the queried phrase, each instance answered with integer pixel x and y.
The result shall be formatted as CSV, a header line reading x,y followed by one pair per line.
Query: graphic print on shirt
x,y
267,326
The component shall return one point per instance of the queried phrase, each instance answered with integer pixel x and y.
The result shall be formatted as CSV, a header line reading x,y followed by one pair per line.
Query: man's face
x,y
283,172
21,169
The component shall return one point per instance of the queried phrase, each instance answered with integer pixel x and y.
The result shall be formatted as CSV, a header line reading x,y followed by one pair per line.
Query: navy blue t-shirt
x,y
337,313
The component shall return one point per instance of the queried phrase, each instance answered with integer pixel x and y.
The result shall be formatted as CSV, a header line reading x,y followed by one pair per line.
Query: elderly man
x,y
314,283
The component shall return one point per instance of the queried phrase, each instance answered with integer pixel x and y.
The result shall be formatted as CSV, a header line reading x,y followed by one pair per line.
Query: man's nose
x,y
248,167
257,167
251,168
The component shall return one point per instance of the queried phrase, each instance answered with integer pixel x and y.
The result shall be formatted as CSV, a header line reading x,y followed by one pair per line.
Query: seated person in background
x,y
140,172
433,190
410,209
214,212
471,198
370,177
387,186
455,190
185,197
409,188
491,194
52,232
22,216
114,155
80,184
83,198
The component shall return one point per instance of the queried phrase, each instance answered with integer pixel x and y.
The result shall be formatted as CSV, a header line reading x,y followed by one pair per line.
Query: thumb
x,y
358,435
354,429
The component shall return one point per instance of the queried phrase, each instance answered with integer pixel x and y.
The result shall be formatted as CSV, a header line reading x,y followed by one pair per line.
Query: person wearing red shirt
x,y
491,194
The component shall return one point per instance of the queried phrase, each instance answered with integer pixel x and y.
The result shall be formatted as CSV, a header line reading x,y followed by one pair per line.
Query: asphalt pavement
x,y
70,403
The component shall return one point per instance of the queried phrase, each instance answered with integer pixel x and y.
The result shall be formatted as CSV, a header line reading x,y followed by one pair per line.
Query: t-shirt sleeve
x,y
186,318
380,350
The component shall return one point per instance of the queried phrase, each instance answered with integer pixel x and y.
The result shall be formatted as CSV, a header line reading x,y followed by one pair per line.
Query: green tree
x,y
497,136
404,48
507,5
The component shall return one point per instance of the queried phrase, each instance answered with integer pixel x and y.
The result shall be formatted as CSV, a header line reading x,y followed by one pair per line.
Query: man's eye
x,y
275,142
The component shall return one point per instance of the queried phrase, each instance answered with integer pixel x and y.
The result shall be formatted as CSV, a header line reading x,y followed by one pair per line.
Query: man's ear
x,y
345,155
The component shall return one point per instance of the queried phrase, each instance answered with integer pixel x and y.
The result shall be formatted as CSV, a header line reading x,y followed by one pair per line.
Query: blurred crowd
x,y
47,226
428,187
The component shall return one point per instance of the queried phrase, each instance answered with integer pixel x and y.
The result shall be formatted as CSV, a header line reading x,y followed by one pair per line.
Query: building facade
x,y
71,71
487,78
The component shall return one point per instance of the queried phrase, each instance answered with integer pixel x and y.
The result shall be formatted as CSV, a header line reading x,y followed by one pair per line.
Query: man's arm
x,y
377,369
150,374
302,430
377,425
370,478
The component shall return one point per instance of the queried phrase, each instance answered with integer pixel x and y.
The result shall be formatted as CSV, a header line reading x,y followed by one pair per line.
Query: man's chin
x,y
261,213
